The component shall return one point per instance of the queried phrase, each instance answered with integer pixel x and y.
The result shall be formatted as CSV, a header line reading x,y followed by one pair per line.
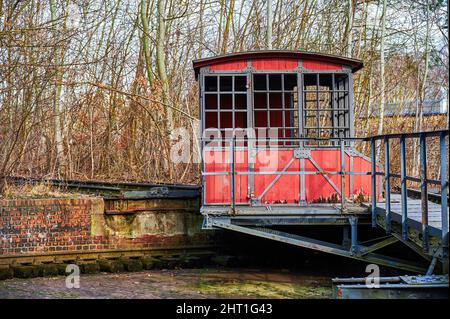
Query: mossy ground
x,y
175,283
258,289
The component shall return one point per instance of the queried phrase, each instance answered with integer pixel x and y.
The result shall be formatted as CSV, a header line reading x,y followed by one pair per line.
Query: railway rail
x,y
124,190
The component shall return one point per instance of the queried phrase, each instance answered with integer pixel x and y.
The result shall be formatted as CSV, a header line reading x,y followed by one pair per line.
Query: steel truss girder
x,y
388,241
319,245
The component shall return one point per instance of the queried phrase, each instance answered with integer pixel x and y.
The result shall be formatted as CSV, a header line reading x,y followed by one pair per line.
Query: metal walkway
x,y
414,208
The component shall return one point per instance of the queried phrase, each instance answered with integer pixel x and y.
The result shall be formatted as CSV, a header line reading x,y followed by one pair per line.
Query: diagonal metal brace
x,y
379,245
276,178
320,246
324,174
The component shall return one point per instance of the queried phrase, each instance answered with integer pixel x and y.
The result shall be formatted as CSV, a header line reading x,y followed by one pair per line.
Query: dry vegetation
x,y
91,89
406,124
32,191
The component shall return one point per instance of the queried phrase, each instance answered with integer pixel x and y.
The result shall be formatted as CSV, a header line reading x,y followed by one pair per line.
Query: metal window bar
x,y
219,95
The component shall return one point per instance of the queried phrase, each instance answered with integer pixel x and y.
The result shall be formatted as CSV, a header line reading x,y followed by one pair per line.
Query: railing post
x,y
404,194
424,191
387,185
342,153
444,184
374,182
232,175
354,234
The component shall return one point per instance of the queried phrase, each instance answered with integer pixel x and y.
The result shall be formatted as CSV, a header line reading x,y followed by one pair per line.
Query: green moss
x,y
6,273
148,262
61,269
25,271
257,289
169,262
131,264
113,266
224,261
47,270
89,268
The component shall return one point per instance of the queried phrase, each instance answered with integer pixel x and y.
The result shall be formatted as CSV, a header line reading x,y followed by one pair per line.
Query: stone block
x,y
111,265
25,271
131,264
6,273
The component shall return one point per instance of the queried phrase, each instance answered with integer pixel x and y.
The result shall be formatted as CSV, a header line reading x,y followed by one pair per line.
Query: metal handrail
x,y
231,142
424,181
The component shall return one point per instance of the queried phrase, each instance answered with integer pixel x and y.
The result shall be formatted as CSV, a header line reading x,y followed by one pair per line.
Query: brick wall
x,y
47,225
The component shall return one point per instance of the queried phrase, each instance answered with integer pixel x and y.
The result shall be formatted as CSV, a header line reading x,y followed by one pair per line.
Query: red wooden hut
x,y
277,133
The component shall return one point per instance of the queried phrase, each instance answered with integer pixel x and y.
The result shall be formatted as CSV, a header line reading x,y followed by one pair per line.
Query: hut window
x,y
225,103
325,105
275,112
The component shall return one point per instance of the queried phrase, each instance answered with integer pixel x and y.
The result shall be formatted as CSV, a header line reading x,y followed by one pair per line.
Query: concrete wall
x,y
40,226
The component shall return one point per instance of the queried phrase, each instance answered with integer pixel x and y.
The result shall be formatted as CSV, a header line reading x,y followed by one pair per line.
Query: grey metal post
x,y
404,196
233,199
444,185
346,236
342,153
350,177
374,182
354,234
252,149
387,185
302,182
424,191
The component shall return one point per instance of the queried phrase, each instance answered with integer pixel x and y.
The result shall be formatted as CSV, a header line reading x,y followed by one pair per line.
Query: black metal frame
x,y
219,94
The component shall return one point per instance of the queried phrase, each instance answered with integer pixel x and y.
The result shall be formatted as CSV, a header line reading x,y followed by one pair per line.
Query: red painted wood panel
x,y
217,188
287,188
229,66
320,65
317,186
273,64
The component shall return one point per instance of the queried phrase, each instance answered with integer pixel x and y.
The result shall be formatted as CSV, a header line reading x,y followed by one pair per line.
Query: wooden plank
x,y
415,211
